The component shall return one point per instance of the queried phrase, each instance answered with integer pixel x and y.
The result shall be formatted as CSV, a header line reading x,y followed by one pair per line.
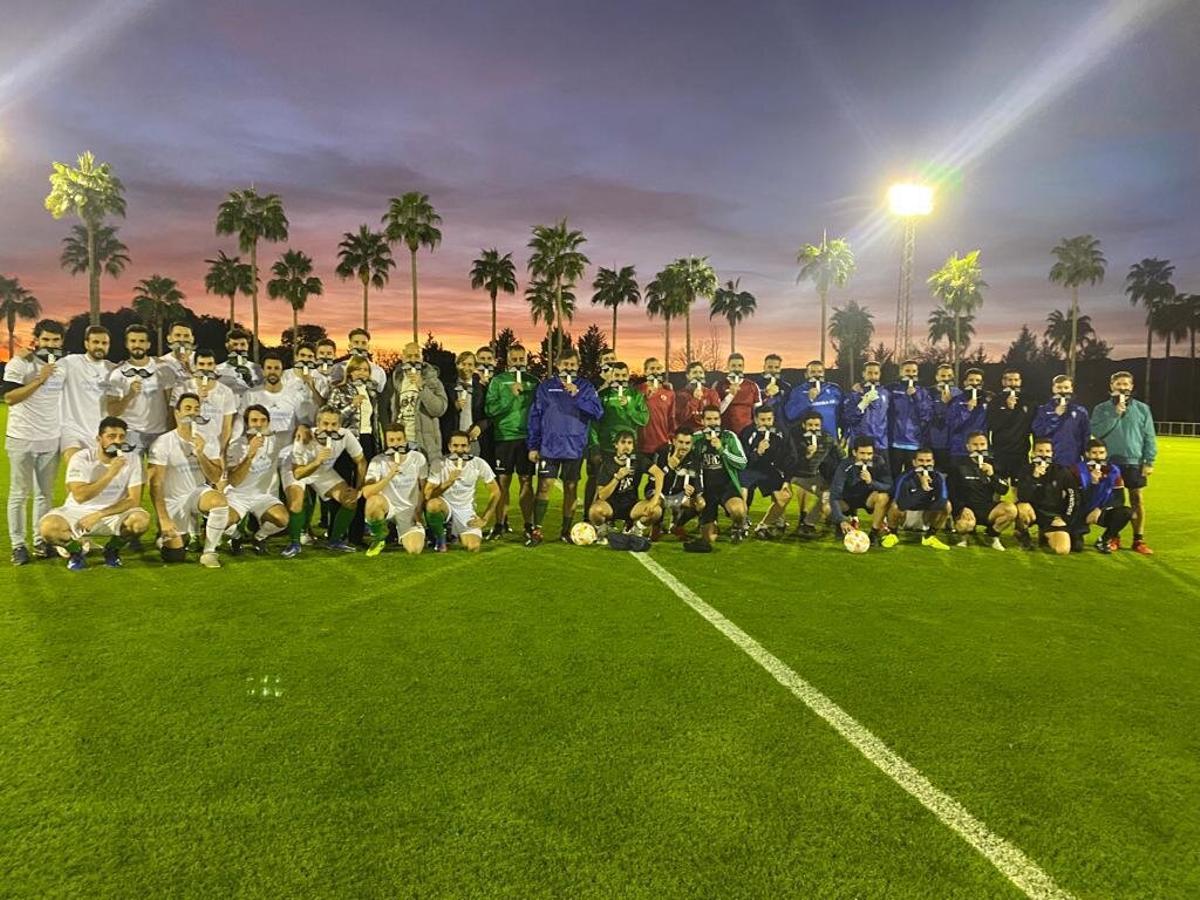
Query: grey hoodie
x,y
431,404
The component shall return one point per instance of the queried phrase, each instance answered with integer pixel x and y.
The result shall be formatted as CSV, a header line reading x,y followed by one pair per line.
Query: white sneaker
x,y
210,561
305,538
962,542
997,544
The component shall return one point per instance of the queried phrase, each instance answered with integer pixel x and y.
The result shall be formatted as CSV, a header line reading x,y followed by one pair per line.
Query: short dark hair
x,y
568,353
95,329
254,407
272,355
462,356
971,434
48,326
814,362
711,408
394,427
327,342
910,362
813,414
945,366
733,356
204,353
462,434
186,395
179,324
921,450
137,328
863,440
1096,442
306,345
763,408
237,334
773,356
355,332
1010,370
684,429
111,422
694,363
973,371
617,364
624,433
1044,439
486,348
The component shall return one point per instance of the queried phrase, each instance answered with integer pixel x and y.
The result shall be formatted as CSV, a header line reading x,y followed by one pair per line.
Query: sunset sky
x,y
733,130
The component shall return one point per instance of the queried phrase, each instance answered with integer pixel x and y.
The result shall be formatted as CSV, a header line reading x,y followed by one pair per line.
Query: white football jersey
x,y
147,411
261,477
84,390
404,490
304,453
181,468
88,465
38,417
471,472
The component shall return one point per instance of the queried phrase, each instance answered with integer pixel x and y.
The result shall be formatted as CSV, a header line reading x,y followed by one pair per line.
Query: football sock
x,y
341,523
436,523
295,526
218,519
378,528
73,546
539,511
267,529
115,544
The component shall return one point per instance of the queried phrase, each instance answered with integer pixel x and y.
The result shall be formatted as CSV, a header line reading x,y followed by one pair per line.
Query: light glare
x,y
910,199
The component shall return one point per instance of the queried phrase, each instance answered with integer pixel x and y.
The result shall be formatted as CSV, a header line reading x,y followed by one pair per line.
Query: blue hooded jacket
x,y
1097,496
848,485
939,429
828,404
558,422
909,417
873,421
1068,433
909,494
961,420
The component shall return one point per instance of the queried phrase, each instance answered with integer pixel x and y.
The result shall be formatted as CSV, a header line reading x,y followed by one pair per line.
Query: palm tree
x,y
696,278
850,328
156,301
614,288
252,217
366,256
1149,283
959,285
1170,324
1191,302
16,303
546,305
112,256
1061,329
827,265
413,220
735,306
228,276
90,191
664,300
295,283
942,328
1078,260
494,273
558,262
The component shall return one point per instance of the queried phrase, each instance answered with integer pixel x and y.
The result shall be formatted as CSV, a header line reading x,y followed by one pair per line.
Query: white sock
x,y
267,529
218,519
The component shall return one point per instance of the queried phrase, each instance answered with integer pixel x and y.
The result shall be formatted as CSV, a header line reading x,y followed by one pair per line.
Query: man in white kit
x,y
252,464
84,396
394,491
138,390
450,494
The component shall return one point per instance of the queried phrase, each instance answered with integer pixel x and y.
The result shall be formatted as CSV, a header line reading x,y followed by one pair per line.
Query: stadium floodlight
x,y
909,201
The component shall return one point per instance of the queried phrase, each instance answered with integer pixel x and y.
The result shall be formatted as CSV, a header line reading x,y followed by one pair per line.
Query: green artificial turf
x,y
556,722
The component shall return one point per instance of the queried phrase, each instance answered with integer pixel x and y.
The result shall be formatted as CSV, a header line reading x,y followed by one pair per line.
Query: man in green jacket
x,y
624,410
509,397
1126,426
720,456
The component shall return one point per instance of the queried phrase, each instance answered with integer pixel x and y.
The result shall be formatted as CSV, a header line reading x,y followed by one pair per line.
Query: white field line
x,y
1012,863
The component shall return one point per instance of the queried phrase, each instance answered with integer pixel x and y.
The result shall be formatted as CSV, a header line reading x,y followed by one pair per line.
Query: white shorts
x,y
141,439
321,481
460,517
181,511
403,519
109,526
73,438
251,504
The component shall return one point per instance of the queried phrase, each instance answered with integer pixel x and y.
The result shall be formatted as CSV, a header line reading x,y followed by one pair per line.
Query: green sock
x,y
310,503
341,523
539,511
436,523
378,528
296,522
74,546
115,543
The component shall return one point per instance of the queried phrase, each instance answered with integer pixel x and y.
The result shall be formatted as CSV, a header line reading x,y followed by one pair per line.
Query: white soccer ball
x,y
583,533
856,542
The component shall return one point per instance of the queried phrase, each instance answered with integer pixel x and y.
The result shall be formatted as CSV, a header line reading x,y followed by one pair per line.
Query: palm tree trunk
x,y
1074,331
732,339
667,351
295,330
824,324
1167,377
12,324
254,300
687,344
366,291
555,347
1149,347
231,296
1192,367
93,276
614,340
957,338
413,253
493,321
158,327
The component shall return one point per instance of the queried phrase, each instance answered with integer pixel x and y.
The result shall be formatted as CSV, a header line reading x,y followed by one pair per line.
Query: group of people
x,y
237,451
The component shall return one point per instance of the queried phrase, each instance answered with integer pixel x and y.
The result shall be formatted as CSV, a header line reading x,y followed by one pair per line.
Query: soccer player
x,y
617,478
1065,422
253,461
721,458
509,397
182,346
865,410
138,390
861,481
359,340
306,375
624,409
693,397
942,395
450,495
1046,496
1101,500
104,498
1126,426
326,357
739,396
34,386
769,457
312,464
466,410
1010,418
563,409
967,413
183,468
976,487
218,403
418,401
920,489
395,490
284,399
660,413
85,382
773,387
815,395
816,458
238,373
910,411
675,482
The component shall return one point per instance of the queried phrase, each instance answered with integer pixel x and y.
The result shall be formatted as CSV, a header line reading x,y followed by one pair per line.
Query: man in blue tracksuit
x,y
563,408
817,395
910,410
772,387
921,489
967,413
865,411
942,395
1101,500
1065,422
860,481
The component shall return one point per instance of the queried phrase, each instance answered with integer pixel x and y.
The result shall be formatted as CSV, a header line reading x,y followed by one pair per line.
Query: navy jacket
x,y
847,485
873,421
1069,432
828,403
908,417
558,422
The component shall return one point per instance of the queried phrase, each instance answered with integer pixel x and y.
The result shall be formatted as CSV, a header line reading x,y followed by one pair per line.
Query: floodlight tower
x,y
909,202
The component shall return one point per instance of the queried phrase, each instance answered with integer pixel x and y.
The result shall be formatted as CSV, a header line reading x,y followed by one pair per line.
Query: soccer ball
x,y
856,542
583,533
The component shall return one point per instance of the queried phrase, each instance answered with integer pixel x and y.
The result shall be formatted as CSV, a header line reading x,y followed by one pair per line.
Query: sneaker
x,y
290,551
210,561
258,546
112,558
44,551
236,543
1101,546
997,544
305,539
888,541
737,535
934,542
534,537
1142,548
961,542
20,556
805,529
566,538
639,529
376,548
76,562
1024,541
440,546
1114,544
764,533
342,546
